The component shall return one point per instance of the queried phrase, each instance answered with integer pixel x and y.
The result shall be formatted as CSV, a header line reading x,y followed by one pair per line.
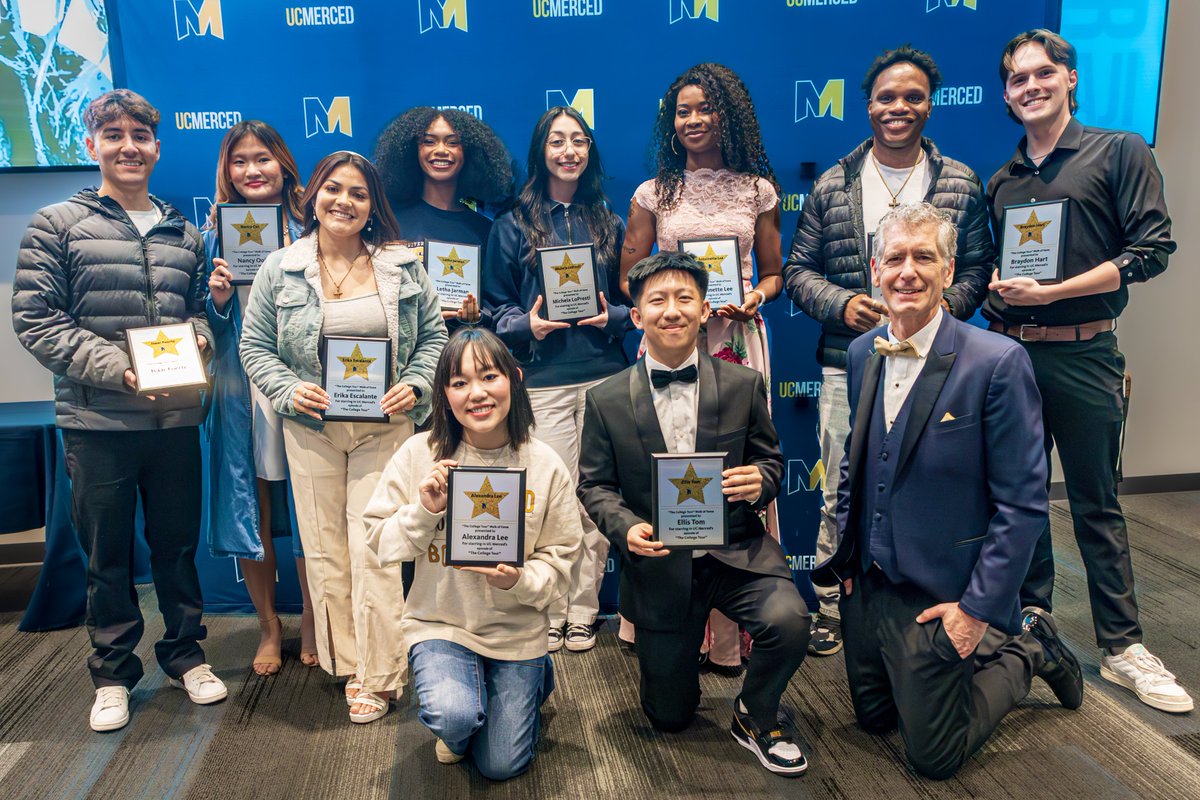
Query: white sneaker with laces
x,y
201,685
1144,675
111,709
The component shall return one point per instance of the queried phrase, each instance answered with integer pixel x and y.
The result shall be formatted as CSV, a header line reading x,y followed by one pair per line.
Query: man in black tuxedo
x,y
680,400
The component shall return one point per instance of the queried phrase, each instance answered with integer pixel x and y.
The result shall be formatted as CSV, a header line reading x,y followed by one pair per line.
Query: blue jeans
x,y
491,707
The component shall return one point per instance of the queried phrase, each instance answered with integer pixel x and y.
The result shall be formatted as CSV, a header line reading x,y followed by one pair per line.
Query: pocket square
x,y
948,417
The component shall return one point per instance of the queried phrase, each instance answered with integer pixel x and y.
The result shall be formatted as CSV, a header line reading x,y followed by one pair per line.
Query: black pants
x,y
906,674
770,608
108,470
1082,411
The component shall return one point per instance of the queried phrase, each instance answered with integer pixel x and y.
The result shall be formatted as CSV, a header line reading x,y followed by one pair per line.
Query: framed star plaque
x,y
485,516
1031,245
690,513
723,260
568,280
165,357
453,270
246,235
356,374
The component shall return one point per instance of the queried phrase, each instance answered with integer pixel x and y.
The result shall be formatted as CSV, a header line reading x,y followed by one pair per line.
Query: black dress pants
x,y
108,470
906,674
768,607
1082,411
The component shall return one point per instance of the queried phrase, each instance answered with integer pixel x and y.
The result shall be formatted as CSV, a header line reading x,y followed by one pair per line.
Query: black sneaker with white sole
x,y
580,637
1060,669
775,749
826,639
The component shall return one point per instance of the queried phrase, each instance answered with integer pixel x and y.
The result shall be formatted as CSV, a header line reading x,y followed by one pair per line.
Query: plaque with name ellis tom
x,y
690,512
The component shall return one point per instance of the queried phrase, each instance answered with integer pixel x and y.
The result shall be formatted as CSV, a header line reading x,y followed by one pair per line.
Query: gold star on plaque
x,y
690,486
453,264
486,500
249,230
1031,230
355,363
162,345
568,271
712,261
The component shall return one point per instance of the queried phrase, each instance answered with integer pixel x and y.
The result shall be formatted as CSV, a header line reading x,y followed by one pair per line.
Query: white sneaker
x,y
1144,674
201,685
111,709
444,754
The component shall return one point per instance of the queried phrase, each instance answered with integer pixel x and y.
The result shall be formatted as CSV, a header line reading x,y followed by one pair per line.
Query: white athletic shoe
x,y
201,685
1144,675
111,709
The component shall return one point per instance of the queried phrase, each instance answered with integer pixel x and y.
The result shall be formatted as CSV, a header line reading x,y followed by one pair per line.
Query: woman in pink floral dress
x,y
714,180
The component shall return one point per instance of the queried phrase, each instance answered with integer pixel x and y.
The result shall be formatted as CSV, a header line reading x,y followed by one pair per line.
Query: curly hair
x,y
487,172
737,126
904,54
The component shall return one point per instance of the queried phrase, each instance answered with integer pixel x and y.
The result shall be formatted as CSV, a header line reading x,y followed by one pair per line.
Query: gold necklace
x,y
895,195
337,284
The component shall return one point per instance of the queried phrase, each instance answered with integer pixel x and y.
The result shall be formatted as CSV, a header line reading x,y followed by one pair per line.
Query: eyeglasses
x,y
580,144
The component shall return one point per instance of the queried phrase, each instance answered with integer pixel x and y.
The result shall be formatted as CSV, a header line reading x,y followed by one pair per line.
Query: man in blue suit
x,y
942,498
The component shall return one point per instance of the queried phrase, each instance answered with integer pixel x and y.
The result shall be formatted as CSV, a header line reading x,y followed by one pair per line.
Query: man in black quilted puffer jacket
x,y
828,271
105,260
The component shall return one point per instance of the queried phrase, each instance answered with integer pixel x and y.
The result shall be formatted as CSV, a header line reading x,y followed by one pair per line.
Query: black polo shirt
x,y
1116,212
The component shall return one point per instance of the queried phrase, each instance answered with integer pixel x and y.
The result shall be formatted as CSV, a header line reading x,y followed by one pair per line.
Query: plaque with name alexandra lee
x,y
690,511
485,517
453,269
568,280
246,235
1032,241
356,374
723,260
165,357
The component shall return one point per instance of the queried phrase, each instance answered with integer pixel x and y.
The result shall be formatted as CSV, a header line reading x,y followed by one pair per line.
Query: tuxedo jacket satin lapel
x,y
646,416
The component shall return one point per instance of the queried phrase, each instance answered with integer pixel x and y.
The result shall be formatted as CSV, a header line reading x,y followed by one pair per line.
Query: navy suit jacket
x,y
969,500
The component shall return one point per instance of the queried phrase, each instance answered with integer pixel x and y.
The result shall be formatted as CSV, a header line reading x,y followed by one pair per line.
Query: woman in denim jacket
x,y
345,276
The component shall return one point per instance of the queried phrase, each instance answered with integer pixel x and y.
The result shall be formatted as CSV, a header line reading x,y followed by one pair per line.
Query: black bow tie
x,y
661,378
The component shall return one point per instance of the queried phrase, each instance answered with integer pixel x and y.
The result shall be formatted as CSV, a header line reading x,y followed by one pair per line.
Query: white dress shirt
x,y
900,372
677,406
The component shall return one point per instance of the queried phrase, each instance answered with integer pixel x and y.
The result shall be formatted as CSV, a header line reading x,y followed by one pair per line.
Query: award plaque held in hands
x,y
165,357
453,270
356,374
246,235
1031,245
690,512
722,258
485,516
568,280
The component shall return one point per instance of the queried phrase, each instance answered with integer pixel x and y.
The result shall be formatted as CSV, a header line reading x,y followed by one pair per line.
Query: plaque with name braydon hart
x,y
246,235
1031,241
165,357
722,259
356,374
568,280
690,512
453,269
485,516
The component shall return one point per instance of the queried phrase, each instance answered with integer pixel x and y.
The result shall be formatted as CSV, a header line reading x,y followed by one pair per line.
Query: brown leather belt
x,y
1054,333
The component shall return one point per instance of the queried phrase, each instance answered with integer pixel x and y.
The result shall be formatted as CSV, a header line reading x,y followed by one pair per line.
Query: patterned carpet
x,y
289,736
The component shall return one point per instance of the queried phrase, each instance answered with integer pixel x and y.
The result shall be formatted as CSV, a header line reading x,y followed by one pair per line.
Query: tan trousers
x,y
357,603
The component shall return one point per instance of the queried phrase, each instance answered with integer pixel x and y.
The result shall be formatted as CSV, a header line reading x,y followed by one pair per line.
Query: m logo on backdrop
x,y
198,20
934,5
801,478
584,102
694,9
830,101
441,14
320,118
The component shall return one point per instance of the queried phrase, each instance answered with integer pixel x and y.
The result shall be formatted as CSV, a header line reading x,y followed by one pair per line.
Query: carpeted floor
x,y
289,736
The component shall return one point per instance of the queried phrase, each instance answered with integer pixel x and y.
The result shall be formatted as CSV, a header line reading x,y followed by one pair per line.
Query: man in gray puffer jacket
x,y
89,268
828,271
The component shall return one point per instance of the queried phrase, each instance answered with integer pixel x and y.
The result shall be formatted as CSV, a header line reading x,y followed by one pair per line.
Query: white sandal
x,y
355,685
379,706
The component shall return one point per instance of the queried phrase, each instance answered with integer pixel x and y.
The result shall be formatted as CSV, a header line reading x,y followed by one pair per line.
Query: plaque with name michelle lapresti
x,y
1033,239
356,374
453,269
723,260
165,357
246,235
690,511
568,280
485,516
